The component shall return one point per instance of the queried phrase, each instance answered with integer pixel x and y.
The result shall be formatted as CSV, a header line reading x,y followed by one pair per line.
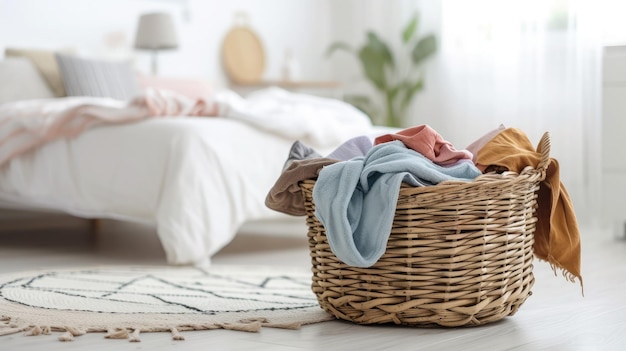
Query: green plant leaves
x,y
373,66
378,46
424,48
338,46
374,56
408,31
379,67
410,89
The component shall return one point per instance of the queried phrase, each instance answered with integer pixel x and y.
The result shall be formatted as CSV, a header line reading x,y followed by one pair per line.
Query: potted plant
x,y
397,81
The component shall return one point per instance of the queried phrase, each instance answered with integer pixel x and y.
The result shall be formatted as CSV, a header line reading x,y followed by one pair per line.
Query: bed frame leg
x,y
94,230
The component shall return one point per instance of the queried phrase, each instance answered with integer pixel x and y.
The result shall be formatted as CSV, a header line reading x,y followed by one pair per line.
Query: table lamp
x,y
156,32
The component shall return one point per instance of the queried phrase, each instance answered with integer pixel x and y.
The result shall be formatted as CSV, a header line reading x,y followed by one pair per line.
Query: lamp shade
x,y
156,32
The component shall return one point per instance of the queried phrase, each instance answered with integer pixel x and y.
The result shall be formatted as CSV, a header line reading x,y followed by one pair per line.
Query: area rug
x,y
126,301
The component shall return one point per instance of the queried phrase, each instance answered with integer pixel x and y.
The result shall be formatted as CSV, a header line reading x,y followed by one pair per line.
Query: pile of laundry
x,y
357,187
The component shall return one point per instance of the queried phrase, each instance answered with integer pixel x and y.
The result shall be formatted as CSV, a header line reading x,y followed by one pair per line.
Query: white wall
x,y
85,25
308,27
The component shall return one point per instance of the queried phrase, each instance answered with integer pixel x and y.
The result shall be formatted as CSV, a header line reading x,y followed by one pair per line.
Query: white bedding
x,y
197,178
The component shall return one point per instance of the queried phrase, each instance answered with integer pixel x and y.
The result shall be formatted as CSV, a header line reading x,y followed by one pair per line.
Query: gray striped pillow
x,y
87,77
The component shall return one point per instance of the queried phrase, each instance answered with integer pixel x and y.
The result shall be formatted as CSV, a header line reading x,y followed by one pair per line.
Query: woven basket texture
x,y
459,254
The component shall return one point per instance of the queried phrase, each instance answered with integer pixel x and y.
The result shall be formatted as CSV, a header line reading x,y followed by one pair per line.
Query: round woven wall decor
x,y
243,55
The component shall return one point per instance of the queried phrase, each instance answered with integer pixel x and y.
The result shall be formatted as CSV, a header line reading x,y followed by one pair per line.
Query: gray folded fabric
x,y
285,196
354,147
300,151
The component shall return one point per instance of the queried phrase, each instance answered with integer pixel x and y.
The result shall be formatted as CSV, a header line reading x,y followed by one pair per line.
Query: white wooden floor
x,y
555,317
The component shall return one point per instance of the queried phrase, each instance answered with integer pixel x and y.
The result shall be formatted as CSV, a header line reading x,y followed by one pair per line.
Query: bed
x,y
197,179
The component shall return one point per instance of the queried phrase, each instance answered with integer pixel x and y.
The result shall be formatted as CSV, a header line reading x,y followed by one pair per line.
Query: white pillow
x,y
20,80
87,77
45,62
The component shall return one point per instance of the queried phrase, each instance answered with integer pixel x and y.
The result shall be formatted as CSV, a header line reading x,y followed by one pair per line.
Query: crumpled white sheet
x,y
197,178
316,121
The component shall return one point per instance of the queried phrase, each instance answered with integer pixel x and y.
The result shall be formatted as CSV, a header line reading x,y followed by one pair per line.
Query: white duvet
x,y
197,178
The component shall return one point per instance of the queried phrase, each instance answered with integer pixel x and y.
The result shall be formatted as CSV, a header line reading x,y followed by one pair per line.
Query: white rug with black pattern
x,y
123,302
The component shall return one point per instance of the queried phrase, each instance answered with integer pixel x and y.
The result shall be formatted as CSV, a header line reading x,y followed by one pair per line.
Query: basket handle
x,y
544,149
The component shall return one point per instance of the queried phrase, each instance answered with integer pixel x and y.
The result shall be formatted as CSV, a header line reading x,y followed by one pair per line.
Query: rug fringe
x,y
7,327
38,330
117,333
176,334
291,326
9,331
76,331
134,336
67,336
69,333
252,327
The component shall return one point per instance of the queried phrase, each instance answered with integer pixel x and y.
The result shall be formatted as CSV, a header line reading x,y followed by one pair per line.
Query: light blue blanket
x,y
356,200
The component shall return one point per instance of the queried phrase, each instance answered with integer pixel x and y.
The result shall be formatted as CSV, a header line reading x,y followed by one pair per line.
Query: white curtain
x,y
531,64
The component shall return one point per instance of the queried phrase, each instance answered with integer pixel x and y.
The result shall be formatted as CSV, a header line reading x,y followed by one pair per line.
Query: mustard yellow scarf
x,y
557,239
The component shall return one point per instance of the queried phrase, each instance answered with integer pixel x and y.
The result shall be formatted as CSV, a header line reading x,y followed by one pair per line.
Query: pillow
x,y
20,80
87,77
46,63
192,88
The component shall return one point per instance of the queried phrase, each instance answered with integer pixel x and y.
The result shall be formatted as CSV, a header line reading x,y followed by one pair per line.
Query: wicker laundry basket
x,y
459,254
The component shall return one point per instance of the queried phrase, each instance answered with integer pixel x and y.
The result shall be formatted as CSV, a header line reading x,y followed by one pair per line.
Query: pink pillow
x,y
192,88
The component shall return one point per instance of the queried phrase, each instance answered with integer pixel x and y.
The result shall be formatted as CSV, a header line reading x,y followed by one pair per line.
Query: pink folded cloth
x,y
28,124
429,143
190,87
